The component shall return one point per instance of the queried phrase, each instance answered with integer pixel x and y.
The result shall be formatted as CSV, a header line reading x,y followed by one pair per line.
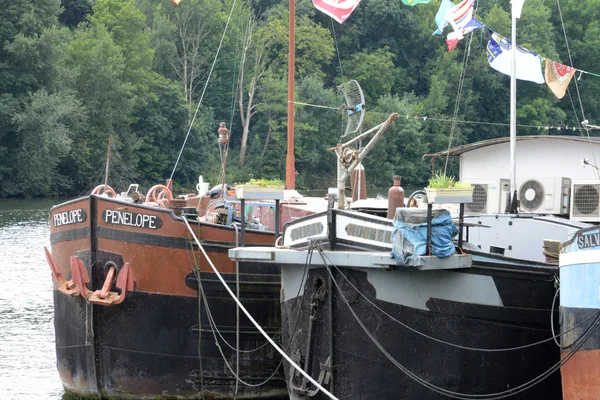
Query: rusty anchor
x,y
104,296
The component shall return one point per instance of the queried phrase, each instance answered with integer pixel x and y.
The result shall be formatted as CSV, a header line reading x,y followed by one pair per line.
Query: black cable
x,y
454,344
449,393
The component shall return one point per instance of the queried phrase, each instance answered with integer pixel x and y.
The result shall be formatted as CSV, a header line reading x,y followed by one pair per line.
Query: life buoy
x,y
104,189
159,194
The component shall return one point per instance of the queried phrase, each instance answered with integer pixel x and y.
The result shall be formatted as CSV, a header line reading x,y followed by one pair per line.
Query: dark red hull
x,y
159,342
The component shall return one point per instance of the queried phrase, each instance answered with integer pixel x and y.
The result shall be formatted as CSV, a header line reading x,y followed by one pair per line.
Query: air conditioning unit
x,y
544,195
489,196
585,201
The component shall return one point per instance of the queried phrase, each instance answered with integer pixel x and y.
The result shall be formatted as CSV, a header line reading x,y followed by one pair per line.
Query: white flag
x,y
529,65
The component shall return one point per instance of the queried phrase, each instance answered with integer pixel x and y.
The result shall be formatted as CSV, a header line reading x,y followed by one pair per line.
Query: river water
x,y
27,352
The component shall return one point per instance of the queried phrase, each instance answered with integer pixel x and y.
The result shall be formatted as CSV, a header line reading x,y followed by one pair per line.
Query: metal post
x,y
290,169
513,105
277,218
243,220
461,215
429,209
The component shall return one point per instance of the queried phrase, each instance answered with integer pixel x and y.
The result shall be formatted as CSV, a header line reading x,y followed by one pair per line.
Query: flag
x,y
176,2
454,37
558,77
415,2
517,6
461,14
452,40
529,65
339,10
440,17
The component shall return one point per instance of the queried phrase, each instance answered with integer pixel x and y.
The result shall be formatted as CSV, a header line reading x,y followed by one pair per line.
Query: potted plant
x,y
260,189
443,189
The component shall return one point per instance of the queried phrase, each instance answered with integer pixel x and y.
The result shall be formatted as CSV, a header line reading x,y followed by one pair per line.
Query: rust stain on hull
x,y
581,376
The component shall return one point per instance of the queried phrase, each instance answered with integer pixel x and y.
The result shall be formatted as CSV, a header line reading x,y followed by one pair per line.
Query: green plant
x,y
462,185
439,180
265,182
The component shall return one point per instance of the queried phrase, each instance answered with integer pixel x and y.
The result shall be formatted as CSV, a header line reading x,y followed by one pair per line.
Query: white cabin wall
x,y
539,158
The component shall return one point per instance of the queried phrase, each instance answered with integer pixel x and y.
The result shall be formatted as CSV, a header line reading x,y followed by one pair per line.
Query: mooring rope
x,y
196,270
454,344
260,329
450,393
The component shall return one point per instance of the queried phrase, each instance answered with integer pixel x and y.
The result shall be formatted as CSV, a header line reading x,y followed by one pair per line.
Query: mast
x,y
107,163
513,111
290,169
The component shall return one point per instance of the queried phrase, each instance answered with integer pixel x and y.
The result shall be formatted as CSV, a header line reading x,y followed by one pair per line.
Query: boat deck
x,y
361,259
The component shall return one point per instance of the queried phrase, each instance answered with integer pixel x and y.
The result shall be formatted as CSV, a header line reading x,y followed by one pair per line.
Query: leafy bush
x,y
265,182
439,180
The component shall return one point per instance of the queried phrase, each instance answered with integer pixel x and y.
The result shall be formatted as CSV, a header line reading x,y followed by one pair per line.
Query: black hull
x,y
148,346
359,370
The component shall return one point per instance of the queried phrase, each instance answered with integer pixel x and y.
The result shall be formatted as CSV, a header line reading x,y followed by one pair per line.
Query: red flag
x,y
452,40
176,2
339,10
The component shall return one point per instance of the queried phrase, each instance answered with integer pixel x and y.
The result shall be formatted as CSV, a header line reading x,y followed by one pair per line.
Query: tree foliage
x,y
75,72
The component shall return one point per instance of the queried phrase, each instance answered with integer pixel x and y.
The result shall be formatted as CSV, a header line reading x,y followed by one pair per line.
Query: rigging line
x,y
199,348
461,83
570,57
589,73
459,94
449,393
337,50
576,84
214,329
204,90
314,105
230,292
426,118
302,282
234,83
198,274
449,343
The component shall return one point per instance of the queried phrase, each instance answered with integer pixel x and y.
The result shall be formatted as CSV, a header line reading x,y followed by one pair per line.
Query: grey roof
x,y
458,150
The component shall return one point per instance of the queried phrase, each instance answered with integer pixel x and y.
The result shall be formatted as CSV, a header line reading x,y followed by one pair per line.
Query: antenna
x,y
354,107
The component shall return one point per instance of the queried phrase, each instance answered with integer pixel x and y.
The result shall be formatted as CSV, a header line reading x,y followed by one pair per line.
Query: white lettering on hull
x,y
589,240
127,218
69,217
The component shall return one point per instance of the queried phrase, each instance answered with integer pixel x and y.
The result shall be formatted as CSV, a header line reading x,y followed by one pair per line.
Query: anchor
x,y
104,296
67,287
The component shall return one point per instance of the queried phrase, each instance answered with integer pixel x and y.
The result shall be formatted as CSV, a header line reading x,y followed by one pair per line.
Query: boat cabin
x,y
556,175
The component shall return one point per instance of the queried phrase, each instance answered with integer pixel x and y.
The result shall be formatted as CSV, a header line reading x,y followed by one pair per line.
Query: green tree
x,y
48,125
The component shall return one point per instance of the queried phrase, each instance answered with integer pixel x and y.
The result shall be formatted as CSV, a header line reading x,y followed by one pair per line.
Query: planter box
x,y
449,195
255,192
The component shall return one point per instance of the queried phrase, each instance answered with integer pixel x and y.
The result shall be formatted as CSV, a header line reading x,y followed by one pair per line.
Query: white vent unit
x,y
489,196
544,195
585,201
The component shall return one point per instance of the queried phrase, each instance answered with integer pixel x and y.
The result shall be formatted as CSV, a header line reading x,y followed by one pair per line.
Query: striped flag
x,y
339,10
440,16
461,14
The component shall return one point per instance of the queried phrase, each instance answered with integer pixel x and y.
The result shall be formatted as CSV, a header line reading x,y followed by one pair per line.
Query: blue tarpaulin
x,y
410,234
